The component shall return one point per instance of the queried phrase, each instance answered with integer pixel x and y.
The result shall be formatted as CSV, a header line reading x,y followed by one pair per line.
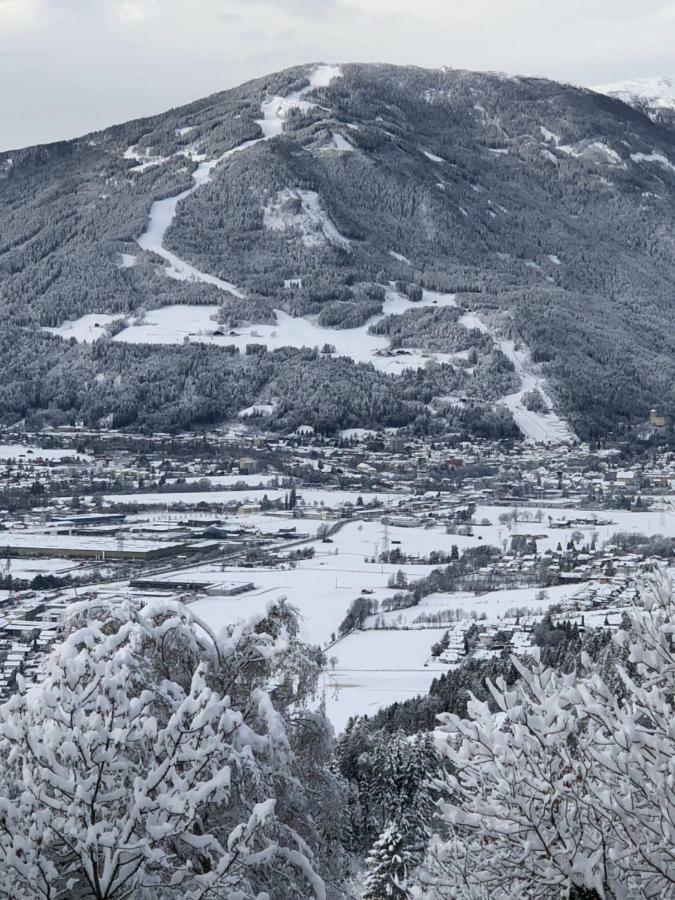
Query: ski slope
x,y
163,212
537,428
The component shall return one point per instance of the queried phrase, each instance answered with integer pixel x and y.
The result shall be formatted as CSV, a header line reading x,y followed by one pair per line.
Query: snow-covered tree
x,y
150,760
569,786
387,867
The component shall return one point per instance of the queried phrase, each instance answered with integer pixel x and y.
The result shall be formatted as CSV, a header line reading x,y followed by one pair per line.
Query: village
x,y
402,555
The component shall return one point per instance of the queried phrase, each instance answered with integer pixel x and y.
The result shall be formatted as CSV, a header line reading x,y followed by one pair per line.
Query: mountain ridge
x,y
428,171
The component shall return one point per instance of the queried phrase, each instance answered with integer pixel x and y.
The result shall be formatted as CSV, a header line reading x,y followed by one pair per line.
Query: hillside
x,y
345,246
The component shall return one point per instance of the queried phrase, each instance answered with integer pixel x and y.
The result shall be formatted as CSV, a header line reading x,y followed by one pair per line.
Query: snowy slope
x,y
163,212
651,94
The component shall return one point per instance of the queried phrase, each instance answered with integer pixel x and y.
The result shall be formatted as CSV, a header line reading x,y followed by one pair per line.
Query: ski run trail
x,y
163,212
536,427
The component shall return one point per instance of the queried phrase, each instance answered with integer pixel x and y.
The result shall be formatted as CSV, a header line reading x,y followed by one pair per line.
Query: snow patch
x,y
341,143
433,157
654,157
87,329
294,209
400,257
323,75
178,324
549,136
258,409
595,150
145,158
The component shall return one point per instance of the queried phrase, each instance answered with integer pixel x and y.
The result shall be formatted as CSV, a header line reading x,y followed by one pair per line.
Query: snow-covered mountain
x,y
347,246
655,96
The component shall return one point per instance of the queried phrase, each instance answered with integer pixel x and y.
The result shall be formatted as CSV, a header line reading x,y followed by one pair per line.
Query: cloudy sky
x,y
70,66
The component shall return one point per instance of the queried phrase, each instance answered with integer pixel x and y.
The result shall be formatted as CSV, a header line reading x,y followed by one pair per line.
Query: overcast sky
x,y
70,66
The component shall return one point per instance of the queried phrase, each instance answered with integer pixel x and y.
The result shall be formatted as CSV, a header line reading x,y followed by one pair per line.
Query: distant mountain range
x,y
343,246
653,96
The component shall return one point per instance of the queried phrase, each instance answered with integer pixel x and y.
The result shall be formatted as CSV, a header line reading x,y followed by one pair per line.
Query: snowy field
x,y
252,481
27,569
175,324
86,329
179,323
493,604
376,668
30,453
321,588
650,523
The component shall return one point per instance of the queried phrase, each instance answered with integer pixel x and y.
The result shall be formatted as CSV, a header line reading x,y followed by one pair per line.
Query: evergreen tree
x,y
387,868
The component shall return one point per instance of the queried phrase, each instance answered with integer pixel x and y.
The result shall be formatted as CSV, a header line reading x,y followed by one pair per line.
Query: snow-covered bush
x,y
153,759
569,786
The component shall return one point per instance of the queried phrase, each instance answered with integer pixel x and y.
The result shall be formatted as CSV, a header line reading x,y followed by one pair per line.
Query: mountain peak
x,y
654,96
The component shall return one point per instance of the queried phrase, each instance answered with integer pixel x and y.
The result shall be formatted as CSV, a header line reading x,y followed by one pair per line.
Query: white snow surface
x,y
549,136
341,143
172,324
146,159
310,220
30,453
653,157
377,668
400,257
537,428
433,157
596,151
87,328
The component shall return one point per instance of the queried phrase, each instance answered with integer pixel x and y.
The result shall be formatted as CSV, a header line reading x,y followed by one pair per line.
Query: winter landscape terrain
x,y
337,495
